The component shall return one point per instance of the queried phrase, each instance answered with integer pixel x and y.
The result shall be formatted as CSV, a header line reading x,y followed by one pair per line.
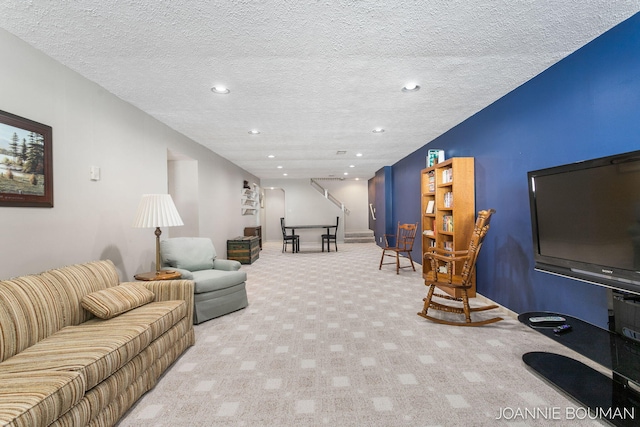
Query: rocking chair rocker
x,y
443,275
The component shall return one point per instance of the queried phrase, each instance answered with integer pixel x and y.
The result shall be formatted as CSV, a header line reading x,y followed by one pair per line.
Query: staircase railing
x,y
327,195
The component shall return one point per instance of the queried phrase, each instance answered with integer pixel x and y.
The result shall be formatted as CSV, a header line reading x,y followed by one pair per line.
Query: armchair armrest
x,y
443,253
226,264
441,258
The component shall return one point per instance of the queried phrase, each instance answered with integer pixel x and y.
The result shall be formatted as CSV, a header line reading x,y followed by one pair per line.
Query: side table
x,y
161,275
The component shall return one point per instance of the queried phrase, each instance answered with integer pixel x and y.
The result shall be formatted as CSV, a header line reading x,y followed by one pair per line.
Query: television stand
x,y
608,399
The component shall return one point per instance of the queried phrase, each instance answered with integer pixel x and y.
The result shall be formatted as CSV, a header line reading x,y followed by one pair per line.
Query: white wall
x,y
92,219
305,205
354,195
184,189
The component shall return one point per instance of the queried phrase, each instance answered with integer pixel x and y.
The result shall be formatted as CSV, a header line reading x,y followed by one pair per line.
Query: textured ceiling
x,y
313,76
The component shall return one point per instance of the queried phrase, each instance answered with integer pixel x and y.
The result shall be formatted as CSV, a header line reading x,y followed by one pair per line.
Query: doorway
x,y
274,210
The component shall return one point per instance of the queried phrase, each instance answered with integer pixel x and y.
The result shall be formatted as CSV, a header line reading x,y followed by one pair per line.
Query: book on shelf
x,y
448,246
430,205
447,175
447,223
432,181
448,199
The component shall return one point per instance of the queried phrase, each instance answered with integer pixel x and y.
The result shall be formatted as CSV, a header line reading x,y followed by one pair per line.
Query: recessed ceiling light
x,y
411,87
346,173
279,167
378,130
254,132
359,155
223,90
285,174
357,179
352,166
271,156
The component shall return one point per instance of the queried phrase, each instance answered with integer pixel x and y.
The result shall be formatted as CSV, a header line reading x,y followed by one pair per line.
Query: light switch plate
x,y
94,173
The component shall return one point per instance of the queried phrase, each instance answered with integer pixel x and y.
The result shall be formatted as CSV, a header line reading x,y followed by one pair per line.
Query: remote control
x,y
547,320
562,328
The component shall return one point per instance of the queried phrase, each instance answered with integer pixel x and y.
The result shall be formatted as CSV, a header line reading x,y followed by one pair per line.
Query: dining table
x,y
327,227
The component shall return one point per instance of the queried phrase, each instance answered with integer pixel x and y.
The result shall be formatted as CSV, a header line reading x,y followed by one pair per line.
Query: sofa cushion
x,y
213,280
38,398
111,302
189,253
98,348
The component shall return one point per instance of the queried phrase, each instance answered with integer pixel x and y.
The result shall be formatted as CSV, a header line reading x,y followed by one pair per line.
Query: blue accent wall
x,y
583,107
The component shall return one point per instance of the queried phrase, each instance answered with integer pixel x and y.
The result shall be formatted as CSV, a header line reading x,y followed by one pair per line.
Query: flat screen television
x,y
585,219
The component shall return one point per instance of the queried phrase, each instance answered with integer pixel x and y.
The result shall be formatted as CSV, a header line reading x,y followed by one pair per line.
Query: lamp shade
x,y
157,210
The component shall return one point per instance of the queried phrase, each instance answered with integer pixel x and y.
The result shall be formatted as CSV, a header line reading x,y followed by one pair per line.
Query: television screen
x,y
586,220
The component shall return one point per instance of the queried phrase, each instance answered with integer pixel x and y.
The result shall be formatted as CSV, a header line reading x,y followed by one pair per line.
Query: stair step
x,y
363,236
359,240
364,233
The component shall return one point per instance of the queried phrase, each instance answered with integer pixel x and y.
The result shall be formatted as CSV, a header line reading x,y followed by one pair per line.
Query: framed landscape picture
x,y
26,166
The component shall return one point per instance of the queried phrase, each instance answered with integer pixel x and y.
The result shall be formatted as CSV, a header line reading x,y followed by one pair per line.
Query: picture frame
x,y
26,162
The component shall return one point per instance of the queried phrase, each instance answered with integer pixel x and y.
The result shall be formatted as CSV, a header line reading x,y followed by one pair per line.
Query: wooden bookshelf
x,y
448,208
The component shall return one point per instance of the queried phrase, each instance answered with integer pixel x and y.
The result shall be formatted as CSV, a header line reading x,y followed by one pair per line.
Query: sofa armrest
x,y
226,264
170,290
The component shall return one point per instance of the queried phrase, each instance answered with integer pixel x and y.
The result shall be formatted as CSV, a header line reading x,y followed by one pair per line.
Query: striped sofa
x,y
79,348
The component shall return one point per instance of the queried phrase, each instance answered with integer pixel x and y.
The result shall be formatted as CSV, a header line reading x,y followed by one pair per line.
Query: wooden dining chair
x,y
329,237
402,244
443,275
286,238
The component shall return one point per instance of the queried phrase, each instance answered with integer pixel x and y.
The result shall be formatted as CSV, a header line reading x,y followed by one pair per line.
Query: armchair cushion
x,y
113,301
213,280
188,253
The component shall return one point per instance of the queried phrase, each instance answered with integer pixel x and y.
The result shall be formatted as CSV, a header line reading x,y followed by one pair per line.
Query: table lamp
x,y
157,210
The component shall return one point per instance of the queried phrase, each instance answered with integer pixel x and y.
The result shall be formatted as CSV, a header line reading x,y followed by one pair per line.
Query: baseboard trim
x,y
504,309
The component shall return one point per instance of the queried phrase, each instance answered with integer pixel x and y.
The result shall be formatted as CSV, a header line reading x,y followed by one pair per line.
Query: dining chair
x,y
402,244
286,238
329,237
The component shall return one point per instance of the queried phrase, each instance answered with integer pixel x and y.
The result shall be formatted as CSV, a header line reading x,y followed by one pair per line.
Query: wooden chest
x,y
245,249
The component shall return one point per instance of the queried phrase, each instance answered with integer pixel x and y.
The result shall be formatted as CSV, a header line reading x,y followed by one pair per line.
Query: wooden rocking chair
x,y
443,275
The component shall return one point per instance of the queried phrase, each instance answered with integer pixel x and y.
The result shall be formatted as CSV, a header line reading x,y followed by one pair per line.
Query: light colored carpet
x,y
329,340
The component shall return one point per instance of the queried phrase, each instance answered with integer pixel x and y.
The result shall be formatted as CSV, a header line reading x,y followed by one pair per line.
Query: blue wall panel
x,y
383,203
585,106
406,192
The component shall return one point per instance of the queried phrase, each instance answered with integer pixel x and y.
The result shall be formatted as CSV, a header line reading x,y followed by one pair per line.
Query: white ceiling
x,y
313,76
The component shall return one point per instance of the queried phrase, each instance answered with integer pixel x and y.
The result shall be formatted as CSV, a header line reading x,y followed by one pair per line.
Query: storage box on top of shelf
x,y
434,157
